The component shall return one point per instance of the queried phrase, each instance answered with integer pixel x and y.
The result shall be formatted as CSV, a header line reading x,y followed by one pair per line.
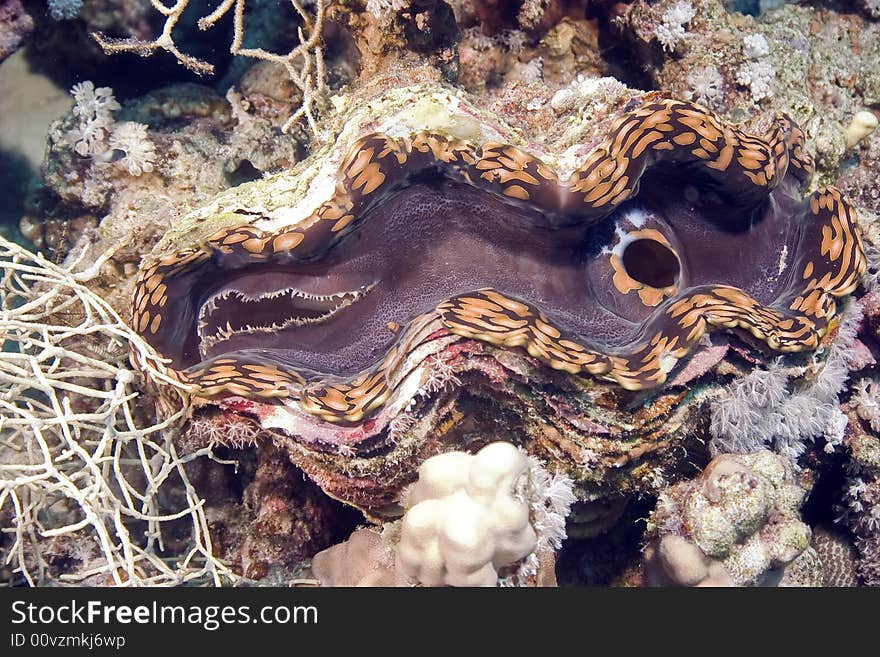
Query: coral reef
x,y
386,235
291,517
737,524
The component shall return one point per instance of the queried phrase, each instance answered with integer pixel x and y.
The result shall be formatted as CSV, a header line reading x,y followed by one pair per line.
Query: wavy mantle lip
x,y
824,260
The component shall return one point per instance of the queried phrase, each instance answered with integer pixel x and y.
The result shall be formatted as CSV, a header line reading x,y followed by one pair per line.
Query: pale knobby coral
x,y
737,524
468,517
672,31
863,124
84,465
764,409
757,73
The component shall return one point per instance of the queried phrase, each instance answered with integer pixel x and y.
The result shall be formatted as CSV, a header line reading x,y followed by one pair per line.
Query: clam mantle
x,y
314,287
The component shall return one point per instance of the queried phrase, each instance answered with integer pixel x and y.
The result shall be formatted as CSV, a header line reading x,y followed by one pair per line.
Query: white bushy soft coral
x,y
550,497
131,139
533,70
762,409
672,30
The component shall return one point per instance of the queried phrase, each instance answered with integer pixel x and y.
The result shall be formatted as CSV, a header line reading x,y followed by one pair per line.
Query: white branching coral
x,y
470,516
764,409
82,458
93,109
671,31
138,152
304,63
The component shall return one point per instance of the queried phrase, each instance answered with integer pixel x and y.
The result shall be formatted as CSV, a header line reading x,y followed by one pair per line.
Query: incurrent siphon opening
x,y
651,263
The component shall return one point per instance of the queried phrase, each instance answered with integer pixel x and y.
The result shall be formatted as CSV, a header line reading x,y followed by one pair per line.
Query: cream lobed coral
x,y
470,516
463,521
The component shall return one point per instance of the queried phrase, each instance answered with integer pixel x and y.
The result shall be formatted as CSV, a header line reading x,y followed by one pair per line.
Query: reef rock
x,y
737,524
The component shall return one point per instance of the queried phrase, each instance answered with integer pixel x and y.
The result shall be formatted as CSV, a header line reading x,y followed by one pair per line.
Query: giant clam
x,y
432,277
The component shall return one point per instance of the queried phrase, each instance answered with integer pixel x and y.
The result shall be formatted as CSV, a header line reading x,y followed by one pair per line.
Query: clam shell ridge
x,y
828,264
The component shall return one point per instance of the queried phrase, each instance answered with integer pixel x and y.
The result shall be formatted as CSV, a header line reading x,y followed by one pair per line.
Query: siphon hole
x,y
651,263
